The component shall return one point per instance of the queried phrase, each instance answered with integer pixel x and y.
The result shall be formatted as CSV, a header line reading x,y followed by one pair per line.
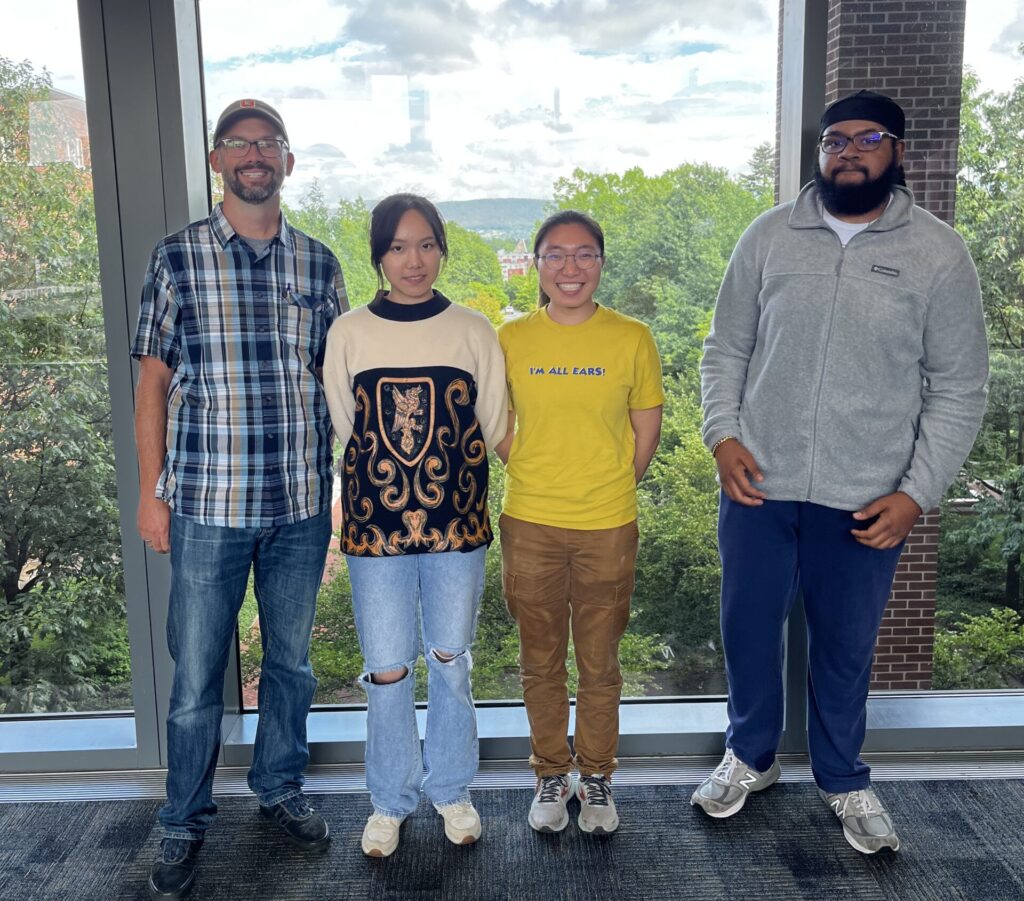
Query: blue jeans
x,y
209,572
390,595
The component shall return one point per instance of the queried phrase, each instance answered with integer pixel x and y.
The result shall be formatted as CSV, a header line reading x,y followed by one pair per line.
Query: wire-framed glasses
x,y
864,141
585,259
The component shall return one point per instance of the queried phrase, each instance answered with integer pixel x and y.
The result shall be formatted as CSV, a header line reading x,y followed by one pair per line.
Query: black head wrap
x,y
866,105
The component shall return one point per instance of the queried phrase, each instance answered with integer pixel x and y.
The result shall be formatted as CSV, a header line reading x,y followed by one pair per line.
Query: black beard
x,y
254,194
856,200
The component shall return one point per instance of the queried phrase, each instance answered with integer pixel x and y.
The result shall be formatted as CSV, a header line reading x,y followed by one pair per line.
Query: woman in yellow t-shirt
x,y
586,398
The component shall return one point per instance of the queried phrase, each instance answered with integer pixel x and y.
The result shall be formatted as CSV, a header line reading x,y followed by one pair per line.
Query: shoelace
x,y
598,791
551,788
298,807
174,850
861,802
726,768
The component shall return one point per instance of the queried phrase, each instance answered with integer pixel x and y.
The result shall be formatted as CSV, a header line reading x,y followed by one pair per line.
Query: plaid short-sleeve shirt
x,y
248,430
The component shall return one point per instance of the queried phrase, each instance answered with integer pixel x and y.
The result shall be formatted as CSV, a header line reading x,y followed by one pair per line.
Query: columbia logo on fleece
x,y
885,270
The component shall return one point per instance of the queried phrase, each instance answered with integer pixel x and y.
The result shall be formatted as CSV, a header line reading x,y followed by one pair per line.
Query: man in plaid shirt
x,y
234,442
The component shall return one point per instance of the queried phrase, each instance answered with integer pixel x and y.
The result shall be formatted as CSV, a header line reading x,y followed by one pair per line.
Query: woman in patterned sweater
x,y
416,388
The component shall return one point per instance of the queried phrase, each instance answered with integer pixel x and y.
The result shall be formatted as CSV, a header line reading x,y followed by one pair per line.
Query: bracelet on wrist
x,y
720,442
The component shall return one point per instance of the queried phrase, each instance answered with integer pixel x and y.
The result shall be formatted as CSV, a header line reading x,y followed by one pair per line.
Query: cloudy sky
x,y
462,99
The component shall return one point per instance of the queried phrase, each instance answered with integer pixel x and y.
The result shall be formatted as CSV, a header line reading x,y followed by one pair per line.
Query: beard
x,y
254,194
856,200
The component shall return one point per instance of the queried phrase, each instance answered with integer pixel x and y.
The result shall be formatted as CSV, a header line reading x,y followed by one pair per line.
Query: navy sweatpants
x,y
768,552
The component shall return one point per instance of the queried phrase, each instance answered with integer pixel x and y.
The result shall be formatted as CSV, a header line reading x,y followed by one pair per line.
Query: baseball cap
x,y
242,109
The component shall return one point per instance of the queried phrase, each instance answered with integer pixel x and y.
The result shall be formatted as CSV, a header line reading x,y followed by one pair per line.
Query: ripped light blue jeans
x,y
394,599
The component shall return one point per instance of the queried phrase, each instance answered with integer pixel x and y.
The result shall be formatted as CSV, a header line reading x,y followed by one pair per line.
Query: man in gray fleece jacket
x,y
843,385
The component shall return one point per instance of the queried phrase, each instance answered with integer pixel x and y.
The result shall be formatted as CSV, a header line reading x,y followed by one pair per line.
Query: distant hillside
x,y
513,217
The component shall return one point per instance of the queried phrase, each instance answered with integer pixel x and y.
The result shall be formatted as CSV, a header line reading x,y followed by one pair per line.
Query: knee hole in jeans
x,y
444,656
388,676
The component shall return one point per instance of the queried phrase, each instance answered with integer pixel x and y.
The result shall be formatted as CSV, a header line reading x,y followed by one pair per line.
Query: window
x,y
648,127
63,634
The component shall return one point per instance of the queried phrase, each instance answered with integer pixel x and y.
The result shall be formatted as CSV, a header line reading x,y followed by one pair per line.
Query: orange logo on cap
x,y
247,103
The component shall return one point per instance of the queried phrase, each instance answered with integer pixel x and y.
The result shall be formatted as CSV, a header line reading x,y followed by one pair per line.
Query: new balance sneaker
x,y
548,811
461,822
173,873
597,807
725,791
866,823
380,835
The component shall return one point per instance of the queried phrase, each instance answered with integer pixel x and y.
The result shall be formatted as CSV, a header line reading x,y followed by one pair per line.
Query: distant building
x,y
58,131
515,262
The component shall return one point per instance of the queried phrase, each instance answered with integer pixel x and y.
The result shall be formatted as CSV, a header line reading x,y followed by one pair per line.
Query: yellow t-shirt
x,y
572,387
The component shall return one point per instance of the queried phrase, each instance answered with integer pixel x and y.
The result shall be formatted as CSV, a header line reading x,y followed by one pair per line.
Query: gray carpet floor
x,y
961,840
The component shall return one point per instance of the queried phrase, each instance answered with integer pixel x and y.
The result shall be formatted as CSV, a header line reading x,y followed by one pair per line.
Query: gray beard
x,y
254,194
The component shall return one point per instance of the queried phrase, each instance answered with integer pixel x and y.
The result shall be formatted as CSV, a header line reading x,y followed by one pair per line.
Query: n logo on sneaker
x,y
748,780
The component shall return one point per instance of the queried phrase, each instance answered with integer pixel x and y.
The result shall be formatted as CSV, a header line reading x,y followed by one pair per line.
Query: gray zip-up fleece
x,y
848,373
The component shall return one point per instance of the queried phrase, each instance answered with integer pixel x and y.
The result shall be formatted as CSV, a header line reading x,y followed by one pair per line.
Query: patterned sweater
x,y
417,394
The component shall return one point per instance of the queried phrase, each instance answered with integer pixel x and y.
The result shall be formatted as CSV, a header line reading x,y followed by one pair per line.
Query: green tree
x,y
523,291
668,239
345,229
990,197
471,264
981,652
760,180
60,575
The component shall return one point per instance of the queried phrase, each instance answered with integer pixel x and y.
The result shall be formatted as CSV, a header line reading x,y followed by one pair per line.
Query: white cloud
x,y
457,98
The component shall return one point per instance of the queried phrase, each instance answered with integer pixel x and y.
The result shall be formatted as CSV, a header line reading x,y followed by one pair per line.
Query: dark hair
x,y
565,217
384,223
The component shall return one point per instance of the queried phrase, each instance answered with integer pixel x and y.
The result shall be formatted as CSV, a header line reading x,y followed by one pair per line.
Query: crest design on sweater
x,y
415,477
405,414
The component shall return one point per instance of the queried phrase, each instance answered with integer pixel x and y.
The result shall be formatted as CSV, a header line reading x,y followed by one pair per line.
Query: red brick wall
x,y
903,655
913,51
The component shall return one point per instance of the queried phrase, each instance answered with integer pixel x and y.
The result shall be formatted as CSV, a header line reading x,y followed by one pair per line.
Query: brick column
x,y
911,50
903,655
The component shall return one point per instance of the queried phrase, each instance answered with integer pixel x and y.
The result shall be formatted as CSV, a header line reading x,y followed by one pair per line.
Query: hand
x,y
154,522
896,512
734,463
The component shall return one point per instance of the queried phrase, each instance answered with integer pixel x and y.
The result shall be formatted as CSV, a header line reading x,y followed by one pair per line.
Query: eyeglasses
x,y
239,147
866,141
585,259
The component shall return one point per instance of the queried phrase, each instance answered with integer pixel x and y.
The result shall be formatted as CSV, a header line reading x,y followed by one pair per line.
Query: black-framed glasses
x,y
585,259
239,147
865,141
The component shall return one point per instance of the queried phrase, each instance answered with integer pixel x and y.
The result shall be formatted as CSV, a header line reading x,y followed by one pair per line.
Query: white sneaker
x,y
380,835
548,811
597,807
461,822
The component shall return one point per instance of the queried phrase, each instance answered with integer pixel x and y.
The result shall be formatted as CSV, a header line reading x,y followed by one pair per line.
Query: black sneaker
x,y
303,826
173,873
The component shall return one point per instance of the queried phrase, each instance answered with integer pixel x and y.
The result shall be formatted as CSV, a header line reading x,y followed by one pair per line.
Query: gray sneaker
x,y
597,807
725,791
866,823
548,811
